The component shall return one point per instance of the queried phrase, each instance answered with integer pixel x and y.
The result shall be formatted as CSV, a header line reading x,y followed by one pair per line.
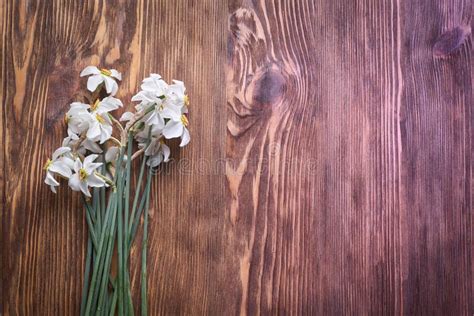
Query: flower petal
x,y
90,70
68,162
109,104
60,151
93,132
166,152
74,182
105,133
93,82
155,161
185,138
127,116
95,181
76,107
116,74
173,129
53,188
84,188
91,146
77,165
172,112
110,85
92,167
89,159
152,147
152,119
111,153
155,85
50,180
60,168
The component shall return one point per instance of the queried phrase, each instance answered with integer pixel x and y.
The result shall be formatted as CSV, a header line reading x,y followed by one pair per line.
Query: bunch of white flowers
x,y
162,110
160,114
98,153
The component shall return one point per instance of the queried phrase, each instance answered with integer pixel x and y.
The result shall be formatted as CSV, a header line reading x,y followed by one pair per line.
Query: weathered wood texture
x,y
330,170
350,151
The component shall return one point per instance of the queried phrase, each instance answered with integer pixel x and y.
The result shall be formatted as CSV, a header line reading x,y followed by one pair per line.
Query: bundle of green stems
x,y
113,219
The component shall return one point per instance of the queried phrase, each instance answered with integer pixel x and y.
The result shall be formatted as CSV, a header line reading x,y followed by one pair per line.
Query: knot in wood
x,y
450,41
269,86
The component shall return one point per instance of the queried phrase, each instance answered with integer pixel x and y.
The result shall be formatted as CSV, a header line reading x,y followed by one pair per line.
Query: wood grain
x,y
45,46
350,150
330,169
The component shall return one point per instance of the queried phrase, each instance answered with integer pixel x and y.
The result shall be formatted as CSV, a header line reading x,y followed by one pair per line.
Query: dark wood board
x,y
329,172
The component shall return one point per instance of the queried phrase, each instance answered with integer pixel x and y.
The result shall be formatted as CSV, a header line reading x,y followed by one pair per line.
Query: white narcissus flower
x,y
77,118
59,164
170,107
107,104
153,88
175,109
176,95
100,128
85,145
156,116
98,76
100,124
85,175
71,140
158,151
176,127
89,145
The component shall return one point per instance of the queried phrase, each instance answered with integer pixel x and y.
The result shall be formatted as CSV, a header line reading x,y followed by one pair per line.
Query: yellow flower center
x,y
186,100
99,118
105,72
95,105
162,141
82,174
66,119
47,164
184,120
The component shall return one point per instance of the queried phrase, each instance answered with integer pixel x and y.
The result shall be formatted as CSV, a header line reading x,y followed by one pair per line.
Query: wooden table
x,y
330,169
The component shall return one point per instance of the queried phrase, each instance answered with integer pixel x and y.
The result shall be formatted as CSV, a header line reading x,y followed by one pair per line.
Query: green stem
x,y
102,192
96,268
90,224
120,276
127,194
89,209
103,259
135,199
129,310
144,302
96,203
106,272
86,274
136,221
126,249
108,302
139,184
114,303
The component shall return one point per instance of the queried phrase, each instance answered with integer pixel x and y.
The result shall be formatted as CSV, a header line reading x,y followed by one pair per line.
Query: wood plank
x,y
330,169
350,154
436,130
45,46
